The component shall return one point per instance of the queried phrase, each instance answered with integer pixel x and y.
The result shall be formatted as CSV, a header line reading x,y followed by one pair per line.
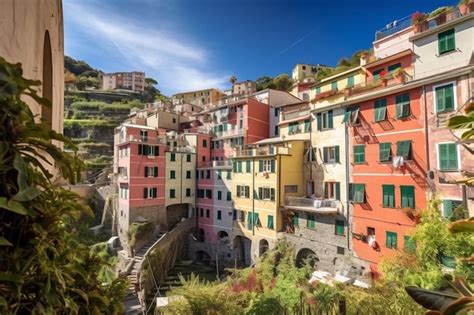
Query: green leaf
x,y
432,300
10,277
460,122
4,242
27,194
20,166
13,206
461,226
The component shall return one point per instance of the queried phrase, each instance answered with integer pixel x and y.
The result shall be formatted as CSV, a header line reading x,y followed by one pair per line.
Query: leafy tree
x,y
83,82
233,80
283,82
79,67
264,82
44,266
150,81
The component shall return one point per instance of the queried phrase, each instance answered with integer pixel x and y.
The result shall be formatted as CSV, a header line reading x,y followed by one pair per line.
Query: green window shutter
x,y
359,154
350,81
272,194
446,41
255,194
229,196
249,220
404,148
355,116
447,208
402,105
296,220
380,110
330,119
234,166
384,151
277,130
339,227
394,67
334,86
326,184
270,222
155,171
260,166
247,166
145,193
409,244
310,224
359,193
239,166
336,153
338,191
172,193
376,74
307,124
448,156
318,90
391,240
318,121
146,171
256,220
219,214
229,175
325,154
444,98
219,195
388,196
347,116
272,166
408,196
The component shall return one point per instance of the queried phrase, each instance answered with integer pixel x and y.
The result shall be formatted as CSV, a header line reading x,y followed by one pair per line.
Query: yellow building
x,y
199,97
264,176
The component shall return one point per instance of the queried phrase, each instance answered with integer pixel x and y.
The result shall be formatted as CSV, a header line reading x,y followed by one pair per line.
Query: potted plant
x,y
417,19
399,74
383,77
440,14
465,6
413,214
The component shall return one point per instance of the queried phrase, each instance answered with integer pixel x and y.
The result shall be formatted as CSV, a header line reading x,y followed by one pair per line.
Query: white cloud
x,y
174,61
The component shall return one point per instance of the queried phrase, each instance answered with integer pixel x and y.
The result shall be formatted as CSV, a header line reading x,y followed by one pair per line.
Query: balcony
x,y
199,129
232,132
218,164
262,152
181,149
394,27
131,138
385,80
444,17
319,205
327,94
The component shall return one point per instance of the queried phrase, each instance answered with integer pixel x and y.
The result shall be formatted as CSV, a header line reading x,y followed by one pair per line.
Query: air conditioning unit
x,y
397,161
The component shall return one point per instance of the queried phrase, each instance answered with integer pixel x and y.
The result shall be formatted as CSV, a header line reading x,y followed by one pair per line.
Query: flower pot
x,y
417,27
441,19
463,9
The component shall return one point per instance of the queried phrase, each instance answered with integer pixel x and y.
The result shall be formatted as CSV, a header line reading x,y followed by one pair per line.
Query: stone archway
x,y
242,248
47,81
262,247
202,257
306,255
223,236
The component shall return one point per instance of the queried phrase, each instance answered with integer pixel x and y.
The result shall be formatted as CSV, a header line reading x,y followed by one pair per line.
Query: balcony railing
x,y
199,129
319,205
389,79
393,27
131,138
293,115
216,164
438,20
232,132
181,149
262,151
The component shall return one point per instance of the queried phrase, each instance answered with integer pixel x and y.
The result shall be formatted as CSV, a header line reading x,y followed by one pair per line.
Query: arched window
x,y
47,112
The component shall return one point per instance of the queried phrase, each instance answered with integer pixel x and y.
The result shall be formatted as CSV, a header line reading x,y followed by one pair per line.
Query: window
x,y
149,193
408,196
370,231
357,193
267,166
385,152
172,193
249,220
359,154
391,240
219,195
204,159
201,212
270,222
340,250
265,193
296,221
188,157
444,96
276,112
448,157
208,213
239,167
229,175
123,193
188,174
334,86
331,154
446,42
449,206
229,196
219,174
174,120
208,174
402,103
409,245
151,171
388,192
324,120
404,149
219,215
310,223
351,116
172,157
380,110
172,174
277,130
318,90
243,191
350,81
307,125
188,192
247,166
376,74
143,135
208,193
204,143
339,227
293,127
332,190
394,67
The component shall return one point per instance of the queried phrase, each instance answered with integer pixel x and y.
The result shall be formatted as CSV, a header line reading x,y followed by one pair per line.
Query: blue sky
x,y
193,44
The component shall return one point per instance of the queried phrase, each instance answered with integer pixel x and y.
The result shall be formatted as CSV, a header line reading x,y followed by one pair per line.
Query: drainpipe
x,y
278,187
427,146
196,212
348,219
253,199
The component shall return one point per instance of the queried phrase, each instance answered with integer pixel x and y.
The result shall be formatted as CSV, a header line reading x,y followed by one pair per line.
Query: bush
x,y
87,105
71,123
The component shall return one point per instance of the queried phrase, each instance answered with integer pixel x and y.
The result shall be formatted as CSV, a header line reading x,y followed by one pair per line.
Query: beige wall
x,y
23,28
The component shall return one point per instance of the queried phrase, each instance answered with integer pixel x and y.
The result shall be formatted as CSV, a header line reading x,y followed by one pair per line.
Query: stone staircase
x,y
132,303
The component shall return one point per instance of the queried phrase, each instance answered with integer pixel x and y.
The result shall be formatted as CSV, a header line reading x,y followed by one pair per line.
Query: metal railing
x,y
393,27
181,149
131,138
317,204
439,19
232,132
262,151
216,163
